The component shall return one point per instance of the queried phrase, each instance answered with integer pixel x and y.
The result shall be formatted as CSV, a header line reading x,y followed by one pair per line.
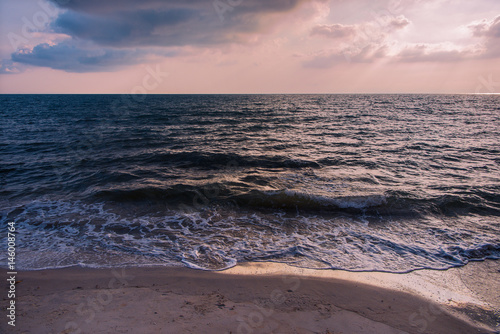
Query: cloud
x,y
171,27
370,41
398,22
71,58
381,25
106,35
359,43
112,6
485,28
127,23
489,47
432,53
334,31
7,66
330,58
489,31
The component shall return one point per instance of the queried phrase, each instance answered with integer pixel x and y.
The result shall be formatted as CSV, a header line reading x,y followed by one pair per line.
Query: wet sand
x,y
257,298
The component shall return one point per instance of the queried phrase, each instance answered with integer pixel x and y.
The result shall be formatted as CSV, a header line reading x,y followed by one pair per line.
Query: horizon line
x,y
153,94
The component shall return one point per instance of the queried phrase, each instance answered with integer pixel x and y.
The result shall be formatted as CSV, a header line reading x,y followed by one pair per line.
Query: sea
x,y
389,183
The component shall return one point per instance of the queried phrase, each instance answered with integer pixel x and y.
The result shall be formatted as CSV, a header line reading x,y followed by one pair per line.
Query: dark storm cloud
x,y
130,23
105,35
141,28
70,58
111,6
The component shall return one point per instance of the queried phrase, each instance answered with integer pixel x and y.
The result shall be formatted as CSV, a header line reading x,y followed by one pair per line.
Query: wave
x,y
297,200
245,195
218,194
55,234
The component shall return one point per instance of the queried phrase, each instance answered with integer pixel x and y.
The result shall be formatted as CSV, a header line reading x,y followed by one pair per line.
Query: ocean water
x,y
357,182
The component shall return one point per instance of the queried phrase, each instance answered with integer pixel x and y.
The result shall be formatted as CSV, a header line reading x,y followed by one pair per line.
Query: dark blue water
x,y
358,182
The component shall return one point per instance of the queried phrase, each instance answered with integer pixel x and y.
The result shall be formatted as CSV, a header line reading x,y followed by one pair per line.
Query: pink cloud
x,y
361,43
399,22
371,41
431,53
334,31
489,31
380,25
486,28
331,58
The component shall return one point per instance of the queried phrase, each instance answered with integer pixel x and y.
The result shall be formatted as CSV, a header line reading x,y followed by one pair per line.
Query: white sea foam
x,y
55,234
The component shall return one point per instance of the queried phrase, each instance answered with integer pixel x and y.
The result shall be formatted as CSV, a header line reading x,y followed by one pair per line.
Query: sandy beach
x,y
257,298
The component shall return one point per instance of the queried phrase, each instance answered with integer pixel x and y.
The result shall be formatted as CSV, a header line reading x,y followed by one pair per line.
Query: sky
x,y
249,46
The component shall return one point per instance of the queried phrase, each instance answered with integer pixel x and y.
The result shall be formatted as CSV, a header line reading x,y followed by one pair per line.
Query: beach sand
x,y
257,298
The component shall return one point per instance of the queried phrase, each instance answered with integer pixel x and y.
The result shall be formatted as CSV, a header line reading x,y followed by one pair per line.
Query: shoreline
x,y
257,297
